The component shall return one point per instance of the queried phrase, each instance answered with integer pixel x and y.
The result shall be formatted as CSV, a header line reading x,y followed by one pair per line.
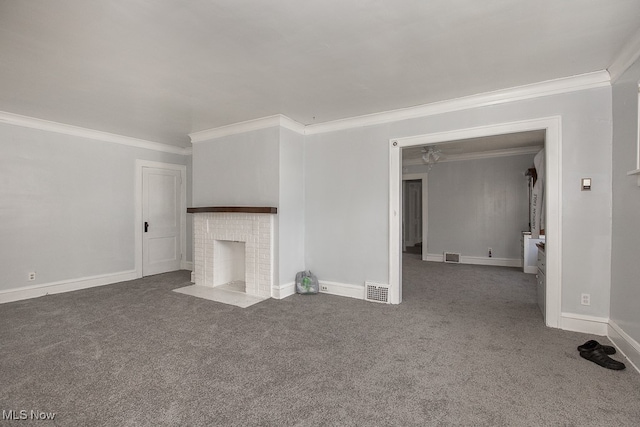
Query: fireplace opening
x,y
229,265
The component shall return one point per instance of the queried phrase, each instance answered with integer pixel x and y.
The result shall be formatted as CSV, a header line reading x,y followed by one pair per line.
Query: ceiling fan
x,y
431,156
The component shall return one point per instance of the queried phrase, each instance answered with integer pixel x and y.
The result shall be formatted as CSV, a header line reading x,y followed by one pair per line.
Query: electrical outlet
x,y
490,252
324,288
32,276
585,299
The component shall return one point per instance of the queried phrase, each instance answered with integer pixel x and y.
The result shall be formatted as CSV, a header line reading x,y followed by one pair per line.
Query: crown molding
x,y
479,155
46,125
551,87
626,57
292,125
247,126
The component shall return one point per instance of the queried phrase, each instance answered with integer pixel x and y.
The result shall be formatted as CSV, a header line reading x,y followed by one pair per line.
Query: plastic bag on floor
x,y
307,283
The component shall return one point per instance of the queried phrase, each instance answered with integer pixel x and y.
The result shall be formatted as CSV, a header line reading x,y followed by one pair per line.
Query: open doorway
x,y
480,202
550,127
414,216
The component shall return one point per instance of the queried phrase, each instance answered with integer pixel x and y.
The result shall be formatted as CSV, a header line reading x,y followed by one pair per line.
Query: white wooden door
x,y
161,220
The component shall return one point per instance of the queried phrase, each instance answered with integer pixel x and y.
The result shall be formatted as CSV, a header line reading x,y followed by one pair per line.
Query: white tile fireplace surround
x,y
216,262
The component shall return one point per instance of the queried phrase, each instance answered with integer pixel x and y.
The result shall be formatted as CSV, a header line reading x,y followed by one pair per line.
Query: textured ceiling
x,y
159,70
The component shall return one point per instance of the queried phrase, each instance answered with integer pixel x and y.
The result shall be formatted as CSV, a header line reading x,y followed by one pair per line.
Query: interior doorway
x,y
160,227
415,213
412,215
161,232
551,128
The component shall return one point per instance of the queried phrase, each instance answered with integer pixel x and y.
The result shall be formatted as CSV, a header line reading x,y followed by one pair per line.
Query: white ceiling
x,y
159,70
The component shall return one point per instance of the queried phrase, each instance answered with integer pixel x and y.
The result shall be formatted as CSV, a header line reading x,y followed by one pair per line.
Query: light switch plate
x,y
585,184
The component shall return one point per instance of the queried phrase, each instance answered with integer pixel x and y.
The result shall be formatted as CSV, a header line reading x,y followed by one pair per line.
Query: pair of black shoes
x,y
597,353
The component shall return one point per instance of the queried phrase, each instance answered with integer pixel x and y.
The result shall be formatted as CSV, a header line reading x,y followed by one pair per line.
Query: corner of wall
x,y
629,347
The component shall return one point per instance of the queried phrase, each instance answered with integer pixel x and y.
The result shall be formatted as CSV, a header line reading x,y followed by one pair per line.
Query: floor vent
x,y
452,257
376,292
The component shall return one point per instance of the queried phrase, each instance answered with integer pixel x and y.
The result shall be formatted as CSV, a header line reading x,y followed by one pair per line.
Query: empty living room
x,y
319,213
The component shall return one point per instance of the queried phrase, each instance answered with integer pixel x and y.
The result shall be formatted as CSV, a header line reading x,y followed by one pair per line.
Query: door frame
x,y
553,201
424,177
140,164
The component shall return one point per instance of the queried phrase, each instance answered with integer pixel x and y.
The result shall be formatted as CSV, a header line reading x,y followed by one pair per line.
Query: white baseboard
x,y
35,291
342,289
629,347
186,265
586,324
332,288
479,260
283,291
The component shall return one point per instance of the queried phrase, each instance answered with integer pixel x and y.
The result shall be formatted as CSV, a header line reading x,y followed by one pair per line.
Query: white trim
x,y
424,177
140,164
635,172
629,347
583,323
626,57
247,126
342,289
61,286
551,87
395,222
283,291
186,265
292,125
479,260
49,126
553,184
478,155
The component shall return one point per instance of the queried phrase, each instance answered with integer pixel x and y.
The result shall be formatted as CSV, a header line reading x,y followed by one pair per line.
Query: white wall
x,y
625,271
291,206
67,206
346,205
258,168
478,204
347,192
237,170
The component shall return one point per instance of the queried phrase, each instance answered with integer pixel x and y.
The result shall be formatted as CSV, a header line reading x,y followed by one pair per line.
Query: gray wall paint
x,y
258,168
477,204
347,192
66,206
237,170
625,271
346,205
291,206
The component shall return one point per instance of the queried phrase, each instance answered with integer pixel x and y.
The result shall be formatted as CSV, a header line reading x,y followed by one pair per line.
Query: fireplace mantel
x,y
238,209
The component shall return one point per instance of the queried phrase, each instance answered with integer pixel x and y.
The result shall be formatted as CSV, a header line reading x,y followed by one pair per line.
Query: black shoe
x,y
592,345
599,357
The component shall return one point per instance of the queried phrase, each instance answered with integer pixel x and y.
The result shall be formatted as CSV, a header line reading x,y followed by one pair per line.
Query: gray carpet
x,y
466,347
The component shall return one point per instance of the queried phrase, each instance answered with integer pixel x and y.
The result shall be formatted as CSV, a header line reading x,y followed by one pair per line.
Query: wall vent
x,y
452,257
376,292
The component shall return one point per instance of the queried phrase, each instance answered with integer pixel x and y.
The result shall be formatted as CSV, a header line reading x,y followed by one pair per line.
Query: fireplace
x,y
229,264
234,249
